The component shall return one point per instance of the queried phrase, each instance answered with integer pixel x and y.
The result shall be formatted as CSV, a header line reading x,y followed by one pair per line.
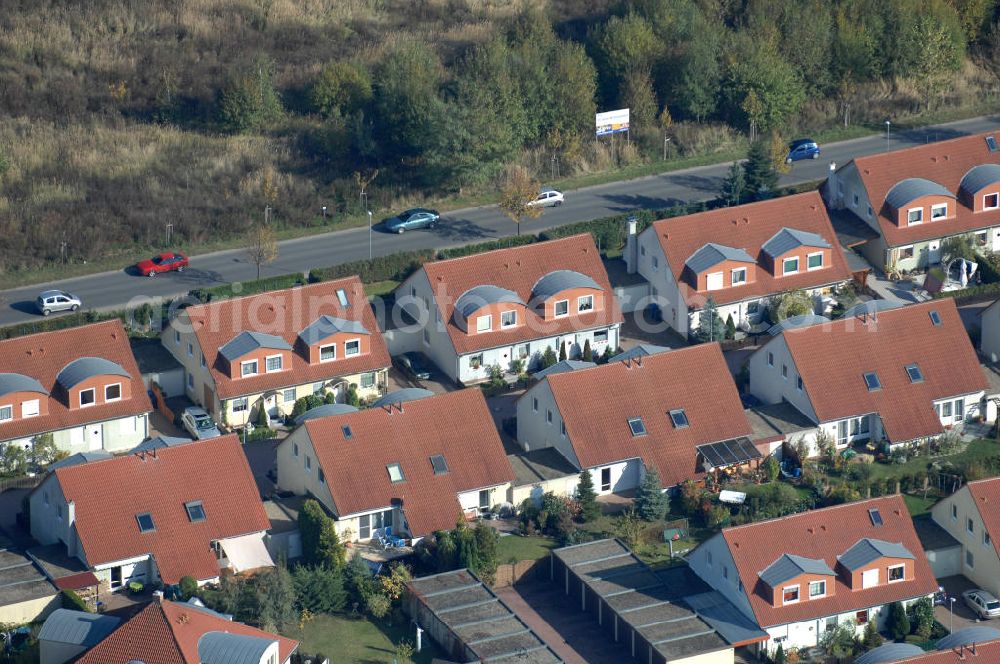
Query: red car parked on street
x,y
167,262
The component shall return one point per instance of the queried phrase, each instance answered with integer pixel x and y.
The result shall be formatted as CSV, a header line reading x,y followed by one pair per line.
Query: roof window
x,y
637,426
395,473
145,521
872,381
913,371
875,516
991,143
439,465
348,434
195,511
342,298
935,317
679,418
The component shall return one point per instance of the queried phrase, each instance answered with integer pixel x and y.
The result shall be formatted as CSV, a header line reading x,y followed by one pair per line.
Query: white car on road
x,y
548,198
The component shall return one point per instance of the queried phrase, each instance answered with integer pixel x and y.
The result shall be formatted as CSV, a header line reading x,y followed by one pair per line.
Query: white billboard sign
x,y
612,122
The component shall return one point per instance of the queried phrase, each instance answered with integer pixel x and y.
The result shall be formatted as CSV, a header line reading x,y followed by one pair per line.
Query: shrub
x,y
921,614
898,622
871,638
241,288
319,589
771,469
259,433
72,601
189,586
548,358
320,543
306,403
492,245
392,267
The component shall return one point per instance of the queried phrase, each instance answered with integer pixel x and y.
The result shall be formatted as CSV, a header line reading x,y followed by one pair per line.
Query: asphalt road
x,y
120,288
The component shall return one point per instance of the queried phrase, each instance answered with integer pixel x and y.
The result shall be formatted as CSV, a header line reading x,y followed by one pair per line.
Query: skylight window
x,y
195,511
935,317
872,381
145,521
439,465
342,298
991,143
875,516
395,473
348,434
679,418
913,371
637,426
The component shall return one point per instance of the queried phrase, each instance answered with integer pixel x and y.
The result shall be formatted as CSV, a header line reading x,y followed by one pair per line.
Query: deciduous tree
x,y
341,88
262,247
249,101
519,190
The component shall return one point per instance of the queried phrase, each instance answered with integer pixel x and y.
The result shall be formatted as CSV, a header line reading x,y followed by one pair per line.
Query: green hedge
x,y
85,318
982,291
72,601
394,267
610,232
240,288
492,245
987,272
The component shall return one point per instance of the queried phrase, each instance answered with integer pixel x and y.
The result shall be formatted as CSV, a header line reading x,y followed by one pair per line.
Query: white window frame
x,y
9,410
25,412
817,595
714,281
241,404
332,346
920,219
809,257
284,395
798,595
504,314
368,380
888,573
93,401
584,299
996,196
784,266
480,328
243,368
281,363
906,249
347,347
738,271
937,207
119,398
555,309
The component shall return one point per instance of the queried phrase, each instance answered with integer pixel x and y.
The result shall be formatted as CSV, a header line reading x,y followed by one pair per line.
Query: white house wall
x,y
560,486
767,383
708,561
990,339
430,336
47,526
292,472
663,287
985,568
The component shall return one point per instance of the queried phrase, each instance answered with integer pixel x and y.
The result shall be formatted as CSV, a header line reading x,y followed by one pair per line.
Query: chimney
x,y
632,245
830,190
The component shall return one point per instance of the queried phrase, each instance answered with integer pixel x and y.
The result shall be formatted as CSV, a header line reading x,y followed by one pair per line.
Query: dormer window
x,y
790,595
790,265
112,392
991,201
328,353
508,319
585,303
484,323
814,261
817,589
738,276
273,363
87,398
561,308
248,368
897,573
6,413
145,521
352,347
914,216
939,211
195,511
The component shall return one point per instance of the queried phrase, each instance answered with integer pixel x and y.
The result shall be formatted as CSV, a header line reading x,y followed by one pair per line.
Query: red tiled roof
x,y
825,534
77,581
42,356
748,227
596,404
832,359
109,494
986,496
945,163
168,633
285,313
457,425
518,269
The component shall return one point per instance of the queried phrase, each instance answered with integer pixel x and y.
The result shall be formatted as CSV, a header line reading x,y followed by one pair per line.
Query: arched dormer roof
x,y
908,190
980,177
401,396
15,382
558,281
230,648
84,368
326,410
478,297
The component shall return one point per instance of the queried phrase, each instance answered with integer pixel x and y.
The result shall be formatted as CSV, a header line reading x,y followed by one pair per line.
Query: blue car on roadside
x,y
804,148
411,219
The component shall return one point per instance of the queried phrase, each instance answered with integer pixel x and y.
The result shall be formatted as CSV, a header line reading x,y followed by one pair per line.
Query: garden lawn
x,y
358,640
976,451
918,505
514,547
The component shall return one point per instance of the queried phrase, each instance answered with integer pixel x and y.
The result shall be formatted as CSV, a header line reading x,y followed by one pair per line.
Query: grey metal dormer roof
x,y
871,307
968,636
789,566
83,368
559,280
562,367
15,382
868,550
229,648
326,326
712,254
160,441
401,396
326,410
908,190
890,652
796,322
81,457
479,296
979,177
787,239
77,627
642,350
248,341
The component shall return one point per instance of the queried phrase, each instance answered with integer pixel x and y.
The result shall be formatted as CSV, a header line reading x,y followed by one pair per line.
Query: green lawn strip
x,y
380,288
977,450
516,548
918,505
347,639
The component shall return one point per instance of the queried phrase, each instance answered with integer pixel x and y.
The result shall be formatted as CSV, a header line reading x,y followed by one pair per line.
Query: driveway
x,y
438,383
262,457
963,616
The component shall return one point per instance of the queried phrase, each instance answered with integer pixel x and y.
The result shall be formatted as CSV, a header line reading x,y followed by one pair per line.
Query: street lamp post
x,y
951,616
369,234
324,213
666,141
887,123
170,228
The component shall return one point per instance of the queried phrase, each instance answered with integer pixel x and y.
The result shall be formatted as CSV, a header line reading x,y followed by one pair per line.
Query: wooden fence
x,y
7,483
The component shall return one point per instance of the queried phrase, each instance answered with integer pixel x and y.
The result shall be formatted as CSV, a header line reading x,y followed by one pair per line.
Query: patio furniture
x,y
381,541
397,542
135,587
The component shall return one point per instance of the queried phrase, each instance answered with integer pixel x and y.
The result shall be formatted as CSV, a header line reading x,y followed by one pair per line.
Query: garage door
x,y
945,562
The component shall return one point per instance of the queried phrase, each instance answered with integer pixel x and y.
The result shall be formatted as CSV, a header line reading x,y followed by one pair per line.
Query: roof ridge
x,y
531,245
801,514
743,206
926,146
101,323
305,286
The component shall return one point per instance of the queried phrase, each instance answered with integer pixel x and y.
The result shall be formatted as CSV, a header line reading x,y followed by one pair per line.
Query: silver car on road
x,y
51,301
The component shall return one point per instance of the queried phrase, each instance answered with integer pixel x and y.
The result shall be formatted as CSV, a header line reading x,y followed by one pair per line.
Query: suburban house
x,y
267,350
916,198
972,517
895,376
741,257
801,575
989,339
413,462
156,516
174,632
677,411
81,385
509,305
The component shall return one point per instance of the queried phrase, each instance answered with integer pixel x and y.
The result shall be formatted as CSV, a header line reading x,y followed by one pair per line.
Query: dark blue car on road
x,y
804,148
